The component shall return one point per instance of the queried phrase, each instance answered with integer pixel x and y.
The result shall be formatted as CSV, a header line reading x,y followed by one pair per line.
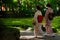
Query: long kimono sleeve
x,y
46,14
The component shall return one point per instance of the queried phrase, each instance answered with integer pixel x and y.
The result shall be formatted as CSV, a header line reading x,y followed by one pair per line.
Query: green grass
x,y
28,21
17,21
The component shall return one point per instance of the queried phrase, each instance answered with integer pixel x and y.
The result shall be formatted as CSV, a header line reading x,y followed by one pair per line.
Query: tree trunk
x,y
18,6
6,7
1,5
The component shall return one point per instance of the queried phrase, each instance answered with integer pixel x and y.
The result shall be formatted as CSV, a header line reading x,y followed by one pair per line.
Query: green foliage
x,y
29,6
56,23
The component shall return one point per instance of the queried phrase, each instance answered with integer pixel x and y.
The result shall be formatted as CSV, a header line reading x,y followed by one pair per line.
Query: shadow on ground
x,y
8,33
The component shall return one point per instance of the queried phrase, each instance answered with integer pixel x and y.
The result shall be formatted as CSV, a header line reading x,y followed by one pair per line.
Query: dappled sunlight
x,y
17,16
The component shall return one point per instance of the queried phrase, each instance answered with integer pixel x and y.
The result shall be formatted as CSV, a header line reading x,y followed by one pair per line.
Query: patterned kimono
x,y
48,22
37,27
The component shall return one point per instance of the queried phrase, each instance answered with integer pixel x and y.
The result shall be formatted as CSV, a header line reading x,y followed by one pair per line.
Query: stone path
x,y
25,35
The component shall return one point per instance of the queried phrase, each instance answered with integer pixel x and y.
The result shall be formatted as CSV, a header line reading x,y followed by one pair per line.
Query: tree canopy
x,y
28,7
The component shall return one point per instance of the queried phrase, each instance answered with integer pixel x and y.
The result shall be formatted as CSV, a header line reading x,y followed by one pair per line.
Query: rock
x,y
10,34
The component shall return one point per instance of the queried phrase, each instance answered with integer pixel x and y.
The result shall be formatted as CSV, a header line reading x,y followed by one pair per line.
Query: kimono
x,y
47,21
37,23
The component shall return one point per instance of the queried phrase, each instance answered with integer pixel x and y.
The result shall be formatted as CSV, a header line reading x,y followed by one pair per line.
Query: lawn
x,y
17,21
27,22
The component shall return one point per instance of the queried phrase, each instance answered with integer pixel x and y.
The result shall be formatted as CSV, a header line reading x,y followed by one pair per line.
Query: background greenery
x,y
19,13
27,22
27,8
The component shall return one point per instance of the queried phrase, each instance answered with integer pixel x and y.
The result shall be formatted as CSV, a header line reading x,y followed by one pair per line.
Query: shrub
x,y
56,23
